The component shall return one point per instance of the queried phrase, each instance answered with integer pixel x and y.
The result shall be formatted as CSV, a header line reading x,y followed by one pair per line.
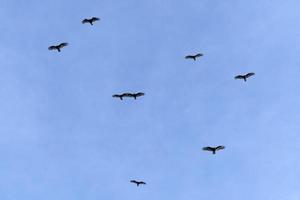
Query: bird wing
x,y
95,19
85,21
249,74
139,94
133,181
51,47
189,57
220,147
207,149
239,77
116,95
142,182
198,55
64,44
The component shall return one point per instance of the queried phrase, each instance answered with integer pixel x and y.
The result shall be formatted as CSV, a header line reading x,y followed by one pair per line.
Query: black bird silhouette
x,y
213,149
194,57
58,47
90,21
134,95
138,182
244,77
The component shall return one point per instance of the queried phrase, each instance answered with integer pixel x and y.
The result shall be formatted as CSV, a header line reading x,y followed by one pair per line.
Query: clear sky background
x,y
63,137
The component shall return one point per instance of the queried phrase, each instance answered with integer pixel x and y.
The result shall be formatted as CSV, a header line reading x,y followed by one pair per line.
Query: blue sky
x,y
64,137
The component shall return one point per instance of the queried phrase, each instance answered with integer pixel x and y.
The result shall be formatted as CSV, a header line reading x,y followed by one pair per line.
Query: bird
x,y
138,182
213,149
194,57
134,95
244,77
90,21
58,47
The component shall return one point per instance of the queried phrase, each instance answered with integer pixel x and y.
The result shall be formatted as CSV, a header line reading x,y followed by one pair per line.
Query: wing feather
x,y
220,147
51,47
239,77
249,74
85,21
207,149
64,44
198,55
189,57
139,94
95,19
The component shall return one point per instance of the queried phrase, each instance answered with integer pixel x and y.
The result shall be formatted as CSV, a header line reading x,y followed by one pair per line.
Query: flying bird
x,y
138,182
194,57
213,149
244,77
58,47
134,95
90,21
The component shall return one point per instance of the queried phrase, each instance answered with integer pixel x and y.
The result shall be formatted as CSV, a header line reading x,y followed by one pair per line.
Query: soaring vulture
x,y
134,95
58,47
244,77
138,182
90,21
213,149
194,57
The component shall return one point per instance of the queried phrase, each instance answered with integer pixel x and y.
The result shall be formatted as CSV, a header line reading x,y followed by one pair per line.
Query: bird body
x,y
138,182
58,47
90,21
244,77
133,95
213,149
194,57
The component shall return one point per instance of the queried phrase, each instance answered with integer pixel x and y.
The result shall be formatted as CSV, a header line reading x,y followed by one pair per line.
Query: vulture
x,y
58,47
90,21
244,77
213,149
134,95
138,182
194,57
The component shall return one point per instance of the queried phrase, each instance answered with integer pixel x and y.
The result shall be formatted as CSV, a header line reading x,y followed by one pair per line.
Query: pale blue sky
x,y
63,137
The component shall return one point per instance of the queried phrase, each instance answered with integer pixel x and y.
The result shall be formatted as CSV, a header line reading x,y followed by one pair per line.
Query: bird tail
x,y
121,98
214,151
58,49
245,79
194,58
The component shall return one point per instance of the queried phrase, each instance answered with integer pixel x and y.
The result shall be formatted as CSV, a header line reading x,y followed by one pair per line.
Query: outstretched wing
x,y
189,57
198,55
133,181
85,21
116,95
52,48
239,77
207,149
139,94
142,182
249,74
95,19
220,147
64,44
